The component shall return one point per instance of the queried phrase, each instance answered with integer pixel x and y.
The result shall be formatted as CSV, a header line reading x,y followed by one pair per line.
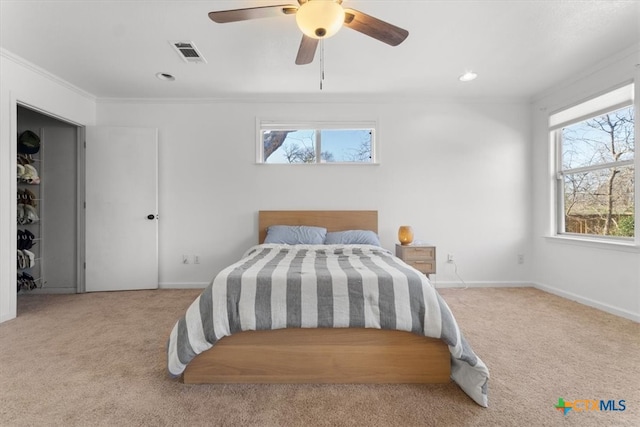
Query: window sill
x,y
615,245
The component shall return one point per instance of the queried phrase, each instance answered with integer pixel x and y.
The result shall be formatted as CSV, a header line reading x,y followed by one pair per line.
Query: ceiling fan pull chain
x,y
321,62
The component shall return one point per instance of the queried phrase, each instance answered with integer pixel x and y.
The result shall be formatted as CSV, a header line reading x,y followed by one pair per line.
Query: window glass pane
x,y
325,145
603,139
600,202
289,146
346,145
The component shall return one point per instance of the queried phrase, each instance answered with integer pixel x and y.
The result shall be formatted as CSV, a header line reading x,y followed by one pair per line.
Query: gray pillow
x,y
295,235
352,237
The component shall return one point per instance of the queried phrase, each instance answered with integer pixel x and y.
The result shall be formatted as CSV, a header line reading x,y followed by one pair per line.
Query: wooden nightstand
x,y
420,257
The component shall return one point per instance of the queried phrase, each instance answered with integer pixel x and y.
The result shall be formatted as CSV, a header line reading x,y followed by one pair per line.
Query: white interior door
x,y
121,194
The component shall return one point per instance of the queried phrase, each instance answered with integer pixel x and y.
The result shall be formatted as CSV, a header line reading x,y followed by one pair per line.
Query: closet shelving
x,y
29,230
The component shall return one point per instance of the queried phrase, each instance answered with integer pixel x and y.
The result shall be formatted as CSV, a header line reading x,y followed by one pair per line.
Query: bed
x,y
322,313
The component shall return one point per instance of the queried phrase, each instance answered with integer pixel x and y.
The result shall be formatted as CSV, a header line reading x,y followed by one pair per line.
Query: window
x,y
595,172
316,143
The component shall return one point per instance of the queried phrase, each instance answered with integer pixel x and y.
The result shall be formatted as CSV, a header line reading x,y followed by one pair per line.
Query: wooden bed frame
x,y
322,355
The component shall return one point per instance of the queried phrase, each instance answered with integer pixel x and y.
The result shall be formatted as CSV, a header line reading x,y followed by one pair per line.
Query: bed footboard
x,y
322,355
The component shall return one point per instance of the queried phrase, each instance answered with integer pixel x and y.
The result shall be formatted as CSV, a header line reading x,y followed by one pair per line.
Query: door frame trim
x,y
80,212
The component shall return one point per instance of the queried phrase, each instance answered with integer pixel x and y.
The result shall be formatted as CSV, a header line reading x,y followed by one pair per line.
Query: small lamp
x,y
405,234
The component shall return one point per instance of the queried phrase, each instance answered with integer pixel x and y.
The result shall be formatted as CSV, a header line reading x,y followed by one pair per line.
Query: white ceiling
x,y
519,48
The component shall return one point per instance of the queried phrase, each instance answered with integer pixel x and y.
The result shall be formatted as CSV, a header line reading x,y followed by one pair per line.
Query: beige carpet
x,y
98,359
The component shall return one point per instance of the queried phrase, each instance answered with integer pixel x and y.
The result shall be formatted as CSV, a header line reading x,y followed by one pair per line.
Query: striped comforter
x,y
309,286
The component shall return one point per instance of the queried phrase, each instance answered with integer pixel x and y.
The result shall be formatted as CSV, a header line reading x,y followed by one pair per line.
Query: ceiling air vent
x,y
188,52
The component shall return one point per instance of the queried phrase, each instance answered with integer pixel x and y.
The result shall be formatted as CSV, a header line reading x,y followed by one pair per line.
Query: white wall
x,y
602,276
464,174
457,171
25,83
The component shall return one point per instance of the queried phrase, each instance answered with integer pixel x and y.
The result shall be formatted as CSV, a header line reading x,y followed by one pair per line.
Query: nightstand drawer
x,y
423,266
420,257
417,253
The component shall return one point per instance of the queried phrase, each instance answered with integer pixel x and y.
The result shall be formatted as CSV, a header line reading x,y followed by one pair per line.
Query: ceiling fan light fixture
x,y
320,19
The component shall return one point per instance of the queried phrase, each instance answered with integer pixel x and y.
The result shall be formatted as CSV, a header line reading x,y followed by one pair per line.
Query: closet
x,y
47,214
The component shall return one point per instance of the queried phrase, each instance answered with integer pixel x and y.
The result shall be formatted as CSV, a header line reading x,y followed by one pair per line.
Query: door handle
x,y
151,216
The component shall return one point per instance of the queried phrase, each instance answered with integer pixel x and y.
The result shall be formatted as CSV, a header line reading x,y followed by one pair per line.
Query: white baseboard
x,y
183,285
588,301
7,317
50,291
479,284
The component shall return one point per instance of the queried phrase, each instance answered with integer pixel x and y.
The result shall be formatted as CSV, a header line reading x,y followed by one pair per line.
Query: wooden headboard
x,y
331,220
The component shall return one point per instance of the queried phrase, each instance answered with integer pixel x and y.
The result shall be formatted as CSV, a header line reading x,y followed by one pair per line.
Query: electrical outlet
x,y
185,259
449,257
196,259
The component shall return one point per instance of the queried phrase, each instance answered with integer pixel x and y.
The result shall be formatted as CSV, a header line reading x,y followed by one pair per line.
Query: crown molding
x,y
424,99
618,57
18,60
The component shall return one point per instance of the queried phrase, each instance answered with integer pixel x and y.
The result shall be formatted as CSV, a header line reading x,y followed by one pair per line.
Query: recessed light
x,y
165,77
468,76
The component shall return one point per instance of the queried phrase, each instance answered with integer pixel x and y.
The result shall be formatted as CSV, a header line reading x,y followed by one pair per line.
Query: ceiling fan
x,y
318,19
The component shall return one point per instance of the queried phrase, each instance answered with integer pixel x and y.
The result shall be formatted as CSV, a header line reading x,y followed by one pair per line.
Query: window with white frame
x,y
595,166
316,142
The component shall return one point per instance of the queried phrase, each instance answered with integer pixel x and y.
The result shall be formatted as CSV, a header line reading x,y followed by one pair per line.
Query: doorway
x,y
93,207
48,230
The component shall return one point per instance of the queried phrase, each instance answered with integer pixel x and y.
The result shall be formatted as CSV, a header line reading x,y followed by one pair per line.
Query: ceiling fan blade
x,y
307,50
374,27
235,15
